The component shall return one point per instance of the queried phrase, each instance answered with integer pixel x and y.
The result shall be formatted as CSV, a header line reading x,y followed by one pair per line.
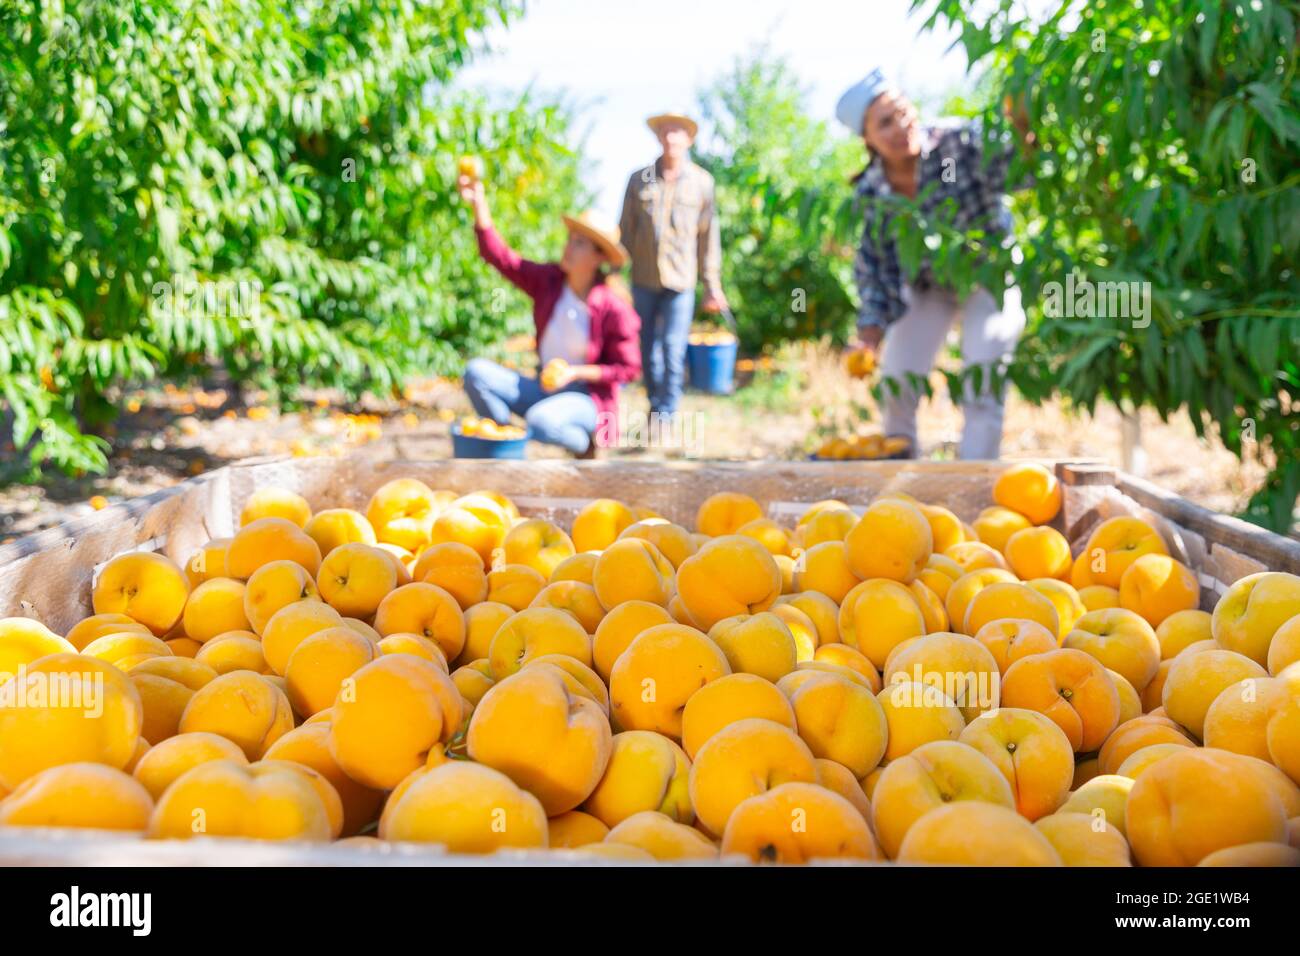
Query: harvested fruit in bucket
x,y
907,683
711,338
473,427
863,447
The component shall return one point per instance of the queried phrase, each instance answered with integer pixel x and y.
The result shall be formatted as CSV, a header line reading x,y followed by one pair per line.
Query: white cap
x,y
851,110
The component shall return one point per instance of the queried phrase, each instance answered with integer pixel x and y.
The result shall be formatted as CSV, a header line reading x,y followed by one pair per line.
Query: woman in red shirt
x,y
587,334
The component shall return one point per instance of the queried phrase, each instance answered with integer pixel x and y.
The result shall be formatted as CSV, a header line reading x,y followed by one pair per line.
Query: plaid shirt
x,y
952,158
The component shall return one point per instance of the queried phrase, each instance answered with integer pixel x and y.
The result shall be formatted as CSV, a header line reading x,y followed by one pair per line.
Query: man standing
x,y
670,229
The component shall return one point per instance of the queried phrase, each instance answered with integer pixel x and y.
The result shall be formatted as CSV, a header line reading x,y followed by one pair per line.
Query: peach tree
x,y
260,187
1168,163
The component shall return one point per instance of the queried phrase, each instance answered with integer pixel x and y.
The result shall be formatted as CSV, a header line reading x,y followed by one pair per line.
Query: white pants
x,y
988,337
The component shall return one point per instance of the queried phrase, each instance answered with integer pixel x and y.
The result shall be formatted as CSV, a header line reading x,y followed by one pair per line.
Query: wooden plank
x,y
1273,551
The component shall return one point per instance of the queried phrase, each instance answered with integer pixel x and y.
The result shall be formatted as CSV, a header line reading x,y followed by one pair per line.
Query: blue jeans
x,y
566,418
665,326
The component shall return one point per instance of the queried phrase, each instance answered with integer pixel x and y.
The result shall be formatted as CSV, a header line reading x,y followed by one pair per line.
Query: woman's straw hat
x,y
604,234
655,122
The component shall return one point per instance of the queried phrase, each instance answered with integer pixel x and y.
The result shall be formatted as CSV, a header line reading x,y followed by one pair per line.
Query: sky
x,y
619,61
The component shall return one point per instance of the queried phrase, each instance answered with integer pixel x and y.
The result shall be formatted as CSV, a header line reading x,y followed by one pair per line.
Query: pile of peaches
x,y
875,684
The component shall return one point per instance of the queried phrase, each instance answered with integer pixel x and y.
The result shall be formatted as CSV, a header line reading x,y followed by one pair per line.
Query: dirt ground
x,y
783,408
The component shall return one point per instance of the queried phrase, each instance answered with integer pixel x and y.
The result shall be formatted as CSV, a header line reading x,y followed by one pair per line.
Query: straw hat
x,y
603,233
654,122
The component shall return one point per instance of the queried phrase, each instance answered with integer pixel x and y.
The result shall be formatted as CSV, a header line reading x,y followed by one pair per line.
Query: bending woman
x,y
913,319
587,334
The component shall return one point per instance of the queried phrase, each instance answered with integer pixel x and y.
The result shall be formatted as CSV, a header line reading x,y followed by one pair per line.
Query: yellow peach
x,y
1254,854
798,822
309,745
824,569
842,721
148,588
619,627
1039,552
1098,597
402,512
271,801
1111,548
1156,586
66,708
574,829
24,641
725,512
877,615
1010,639
1196,679
632,569
917,714
215,607
1005,599
599,524
514,585
234,651
292,624
746,758
672,540
728,699
653,679
960,666
338,526
532,633
273,586
456,568
1251,612
1069,606
389,716
1072,689
1190,804
168,759
1121,640
78,795
996,524
82,633
575,599
646,771
209,561
274,502
758,644
242,707
934,774
1105,795
891,540
1084,840
538,544
166,685
661,838
482,621
320,664
532,727
271,539
423,609
1028,489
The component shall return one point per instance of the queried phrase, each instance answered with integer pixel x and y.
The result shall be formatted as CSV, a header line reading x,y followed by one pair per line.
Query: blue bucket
x,y
471,446
713,367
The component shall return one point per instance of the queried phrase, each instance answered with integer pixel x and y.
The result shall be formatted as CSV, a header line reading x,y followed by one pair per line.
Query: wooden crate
x,y
49,575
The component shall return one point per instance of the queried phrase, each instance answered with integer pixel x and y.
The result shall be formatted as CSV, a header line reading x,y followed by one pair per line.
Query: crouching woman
x,y
587,334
